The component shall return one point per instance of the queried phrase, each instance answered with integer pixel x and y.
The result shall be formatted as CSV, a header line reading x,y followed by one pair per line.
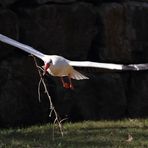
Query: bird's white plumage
x,y
21,46
63,67
96,65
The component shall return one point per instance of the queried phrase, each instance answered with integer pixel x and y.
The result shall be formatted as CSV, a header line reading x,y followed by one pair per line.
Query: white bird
x,y
59,66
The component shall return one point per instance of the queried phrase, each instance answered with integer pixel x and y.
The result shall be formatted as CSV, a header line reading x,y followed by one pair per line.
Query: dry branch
x,y
52,108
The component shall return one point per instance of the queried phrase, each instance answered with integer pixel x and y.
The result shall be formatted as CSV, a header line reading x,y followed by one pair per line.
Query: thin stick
x,y
52,108
39,94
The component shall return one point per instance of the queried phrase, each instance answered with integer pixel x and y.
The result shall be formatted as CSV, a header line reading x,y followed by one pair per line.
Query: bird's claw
x,y
68,86
71,86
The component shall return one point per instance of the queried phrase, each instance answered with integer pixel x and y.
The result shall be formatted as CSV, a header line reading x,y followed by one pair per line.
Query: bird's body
x,y
59,66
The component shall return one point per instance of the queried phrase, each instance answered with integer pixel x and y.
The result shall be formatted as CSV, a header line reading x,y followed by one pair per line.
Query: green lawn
x,y
88,134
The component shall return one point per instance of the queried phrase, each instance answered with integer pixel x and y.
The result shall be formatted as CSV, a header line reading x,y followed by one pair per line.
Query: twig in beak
x,y
52,108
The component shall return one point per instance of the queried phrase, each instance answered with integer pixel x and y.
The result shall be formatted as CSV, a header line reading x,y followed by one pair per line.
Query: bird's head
x,y
46,66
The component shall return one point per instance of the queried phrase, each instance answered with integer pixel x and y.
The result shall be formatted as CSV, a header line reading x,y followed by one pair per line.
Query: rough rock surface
x,y
109,101
6,3
9,26
59,29
86,30
125,22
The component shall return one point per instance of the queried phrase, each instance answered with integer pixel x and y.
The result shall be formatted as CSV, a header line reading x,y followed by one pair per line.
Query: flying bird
x,y
59,66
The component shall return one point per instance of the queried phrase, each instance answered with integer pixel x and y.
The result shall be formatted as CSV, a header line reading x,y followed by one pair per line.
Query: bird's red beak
x,y
46,66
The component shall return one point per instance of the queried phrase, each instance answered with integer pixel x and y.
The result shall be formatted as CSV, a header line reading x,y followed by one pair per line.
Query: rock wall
x,y
103,31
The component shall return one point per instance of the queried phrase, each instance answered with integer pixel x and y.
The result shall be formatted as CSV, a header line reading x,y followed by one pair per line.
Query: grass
x,y
88,134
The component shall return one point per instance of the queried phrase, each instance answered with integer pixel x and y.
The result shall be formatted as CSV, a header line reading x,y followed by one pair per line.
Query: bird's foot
x,y
71,86
68,86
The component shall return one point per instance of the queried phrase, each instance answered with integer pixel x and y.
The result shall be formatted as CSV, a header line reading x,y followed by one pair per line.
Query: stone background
x,y
96,30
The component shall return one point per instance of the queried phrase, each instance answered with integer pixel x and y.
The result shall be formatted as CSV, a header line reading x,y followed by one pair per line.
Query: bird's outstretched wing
x,y
135,67
96,65
21,46
109,66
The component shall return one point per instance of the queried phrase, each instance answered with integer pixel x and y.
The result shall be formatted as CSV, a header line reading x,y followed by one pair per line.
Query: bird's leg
x,y
65,85
70,82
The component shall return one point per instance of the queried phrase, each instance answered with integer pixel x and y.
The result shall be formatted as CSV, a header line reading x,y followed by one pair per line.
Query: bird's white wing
x,y
21,46
96,65
111,66
136,67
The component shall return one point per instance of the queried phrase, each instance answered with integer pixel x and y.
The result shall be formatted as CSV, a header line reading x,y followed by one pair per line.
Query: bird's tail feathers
x,y
78,76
